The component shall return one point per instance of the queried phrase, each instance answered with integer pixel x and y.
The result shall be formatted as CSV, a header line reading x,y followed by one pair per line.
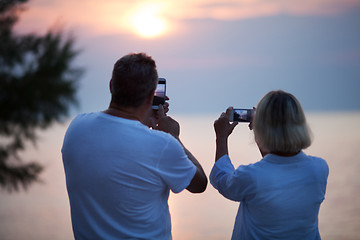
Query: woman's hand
x,y
223,127
251,126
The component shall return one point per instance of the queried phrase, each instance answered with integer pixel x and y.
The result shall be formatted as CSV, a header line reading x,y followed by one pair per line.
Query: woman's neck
x,y
282,154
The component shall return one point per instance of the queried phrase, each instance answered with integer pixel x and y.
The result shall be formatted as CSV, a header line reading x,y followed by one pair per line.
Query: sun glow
x,y
147,21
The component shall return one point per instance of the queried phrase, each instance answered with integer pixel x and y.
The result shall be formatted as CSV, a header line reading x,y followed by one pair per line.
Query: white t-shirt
x,y
118,175
280,196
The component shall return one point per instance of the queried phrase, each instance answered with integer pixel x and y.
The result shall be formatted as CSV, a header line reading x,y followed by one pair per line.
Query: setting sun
x,y
147,22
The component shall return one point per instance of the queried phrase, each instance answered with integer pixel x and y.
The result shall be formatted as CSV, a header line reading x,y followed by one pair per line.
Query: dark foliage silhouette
x,y
37,88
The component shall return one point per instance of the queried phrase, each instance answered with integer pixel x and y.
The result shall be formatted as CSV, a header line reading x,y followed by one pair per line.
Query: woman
x,y
281,194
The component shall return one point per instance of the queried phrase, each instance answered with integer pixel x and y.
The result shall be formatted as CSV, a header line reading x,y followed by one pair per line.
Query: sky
x,y
214,53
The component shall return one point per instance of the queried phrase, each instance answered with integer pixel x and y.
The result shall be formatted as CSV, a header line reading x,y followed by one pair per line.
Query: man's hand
x,y
167,124
153,115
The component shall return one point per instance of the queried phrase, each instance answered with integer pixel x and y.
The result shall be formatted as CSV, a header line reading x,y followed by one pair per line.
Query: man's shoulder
x,y
84,116
163,136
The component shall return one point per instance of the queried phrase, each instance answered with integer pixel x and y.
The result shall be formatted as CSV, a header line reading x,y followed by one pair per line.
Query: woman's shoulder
x,y
318,162
316,159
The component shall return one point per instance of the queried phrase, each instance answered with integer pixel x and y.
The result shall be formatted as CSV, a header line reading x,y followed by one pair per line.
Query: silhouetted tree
x,y
37,88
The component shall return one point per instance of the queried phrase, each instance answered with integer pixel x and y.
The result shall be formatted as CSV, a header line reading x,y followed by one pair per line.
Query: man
x,y
118,170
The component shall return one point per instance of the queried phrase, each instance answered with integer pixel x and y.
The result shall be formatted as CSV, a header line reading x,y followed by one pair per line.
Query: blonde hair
x,y
280,124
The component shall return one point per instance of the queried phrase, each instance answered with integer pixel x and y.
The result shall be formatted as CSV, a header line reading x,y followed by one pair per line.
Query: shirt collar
x,y
284,160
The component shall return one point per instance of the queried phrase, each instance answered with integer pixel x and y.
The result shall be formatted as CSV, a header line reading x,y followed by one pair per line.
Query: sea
x,y
43,212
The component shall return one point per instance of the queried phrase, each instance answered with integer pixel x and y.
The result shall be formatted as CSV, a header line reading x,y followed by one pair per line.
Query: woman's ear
x,y
263,150
110,85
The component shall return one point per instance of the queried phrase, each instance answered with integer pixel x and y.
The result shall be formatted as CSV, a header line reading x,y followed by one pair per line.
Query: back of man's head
x,y
134,77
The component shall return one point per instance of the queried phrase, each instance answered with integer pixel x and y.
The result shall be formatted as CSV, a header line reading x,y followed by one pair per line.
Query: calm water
x,y
43,211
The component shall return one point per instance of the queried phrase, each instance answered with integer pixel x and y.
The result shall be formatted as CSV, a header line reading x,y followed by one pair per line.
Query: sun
x,y
147,22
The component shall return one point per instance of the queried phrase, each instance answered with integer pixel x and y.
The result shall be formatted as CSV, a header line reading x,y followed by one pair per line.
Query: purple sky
x,y
214,53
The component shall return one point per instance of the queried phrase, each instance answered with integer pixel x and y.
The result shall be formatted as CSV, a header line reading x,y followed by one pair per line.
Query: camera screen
x,y
242,115
159,97
160,90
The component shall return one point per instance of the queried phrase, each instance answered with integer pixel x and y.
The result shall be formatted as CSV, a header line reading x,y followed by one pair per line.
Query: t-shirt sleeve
x,y
236,185
174,166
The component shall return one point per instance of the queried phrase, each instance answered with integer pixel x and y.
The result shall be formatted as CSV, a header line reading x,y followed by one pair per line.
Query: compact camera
x,y
160,93
242,115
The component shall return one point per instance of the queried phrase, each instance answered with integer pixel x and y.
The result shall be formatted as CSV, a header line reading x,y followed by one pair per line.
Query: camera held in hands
x,y
242,115
160,94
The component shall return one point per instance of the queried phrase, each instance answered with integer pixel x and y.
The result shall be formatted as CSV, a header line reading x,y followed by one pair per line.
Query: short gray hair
x,y
280,124
134,77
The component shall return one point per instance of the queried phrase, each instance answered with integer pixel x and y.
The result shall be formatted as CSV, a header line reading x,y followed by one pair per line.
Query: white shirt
x,y
118,174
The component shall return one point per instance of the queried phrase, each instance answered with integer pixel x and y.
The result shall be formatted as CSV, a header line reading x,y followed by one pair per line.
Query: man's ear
x,y
150,97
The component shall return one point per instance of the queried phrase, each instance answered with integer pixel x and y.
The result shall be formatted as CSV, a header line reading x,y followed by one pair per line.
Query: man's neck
x,y
123,112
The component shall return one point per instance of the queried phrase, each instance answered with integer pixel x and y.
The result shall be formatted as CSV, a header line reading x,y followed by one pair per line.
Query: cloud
x,y
114,15
90,14
240,9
